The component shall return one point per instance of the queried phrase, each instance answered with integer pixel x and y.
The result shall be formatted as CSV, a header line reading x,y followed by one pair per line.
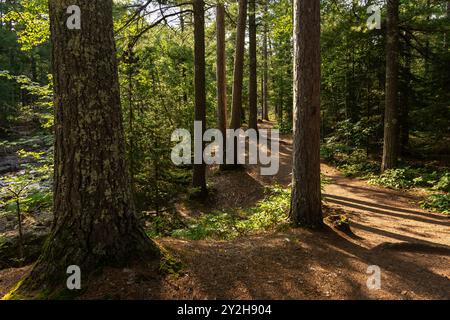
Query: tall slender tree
x,y
253,81
306,206
221,70
94,217
447,35
238,73
265,93
391,122
199,175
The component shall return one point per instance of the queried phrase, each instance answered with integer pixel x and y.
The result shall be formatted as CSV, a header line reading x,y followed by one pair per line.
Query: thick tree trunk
x,y
306,205
391,123
265,66
239,66
94,217
253,81
199,176
221,70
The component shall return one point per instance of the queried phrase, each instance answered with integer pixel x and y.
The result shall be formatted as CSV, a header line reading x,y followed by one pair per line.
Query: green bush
x,y
443,184
164,224
334,152
437,202
394,179
407,177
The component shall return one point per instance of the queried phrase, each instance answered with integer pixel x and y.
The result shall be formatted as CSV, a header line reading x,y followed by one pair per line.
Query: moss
x,y
18,293
170,265
13,293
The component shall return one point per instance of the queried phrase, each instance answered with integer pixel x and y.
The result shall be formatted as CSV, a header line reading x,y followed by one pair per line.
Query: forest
x,y
231,150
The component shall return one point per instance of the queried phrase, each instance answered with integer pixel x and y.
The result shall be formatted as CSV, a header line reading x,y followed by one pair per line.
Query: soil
x,y
411,247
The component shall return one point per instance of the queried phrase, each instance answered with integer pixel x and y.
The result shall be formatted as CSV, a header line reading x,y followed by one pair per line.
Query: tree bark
x,y
221,71
199,174
94,217
265,66
306,205
391,123
253,81
238,66
405,105
447,35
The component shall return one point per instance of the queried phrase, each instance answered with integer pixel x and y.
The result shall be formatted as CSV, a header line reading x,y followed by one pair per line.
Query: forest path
x,y
377,214
300,264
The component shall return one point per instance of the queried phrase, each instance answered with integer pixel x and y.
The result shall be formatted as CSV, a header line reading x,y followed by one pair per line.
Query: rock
x,y
9,164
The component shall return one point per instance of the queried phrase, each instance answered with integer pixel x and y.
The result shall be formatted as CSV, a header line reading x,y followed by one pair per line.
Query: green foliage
x,y
170,265
163,224
280,26
408,177
284,127
268,214
38,107
31,186
333,151
394,178
33,25
353,162
443,184
437,202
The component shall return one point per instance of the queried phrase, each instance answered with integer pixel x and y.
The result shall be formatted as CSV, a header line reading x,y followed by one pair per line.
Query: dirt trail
x,y
300,264
377,214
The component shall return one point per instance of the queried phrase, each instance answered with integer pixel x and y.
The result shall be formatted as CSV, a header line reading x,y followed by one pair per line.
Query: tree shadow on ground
x,y
301,264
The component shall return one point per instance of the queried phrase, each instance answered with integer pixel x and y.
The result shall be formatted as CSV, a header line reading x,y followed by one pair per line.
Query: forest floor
x,y
411,246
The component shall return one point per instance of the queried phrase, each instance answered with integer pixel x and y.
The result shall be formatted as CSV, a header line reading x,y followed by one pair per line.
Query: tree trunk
x,y
280,106
238,66
447,35
94,217
221,71
404,106
265,66
262,95
199,175
253,81
306,205
19,220
390,147
183,66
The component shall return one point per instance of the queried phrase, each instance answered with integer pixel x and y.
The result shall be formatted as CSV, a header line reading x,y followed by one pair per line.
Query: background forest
x,y
155,49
